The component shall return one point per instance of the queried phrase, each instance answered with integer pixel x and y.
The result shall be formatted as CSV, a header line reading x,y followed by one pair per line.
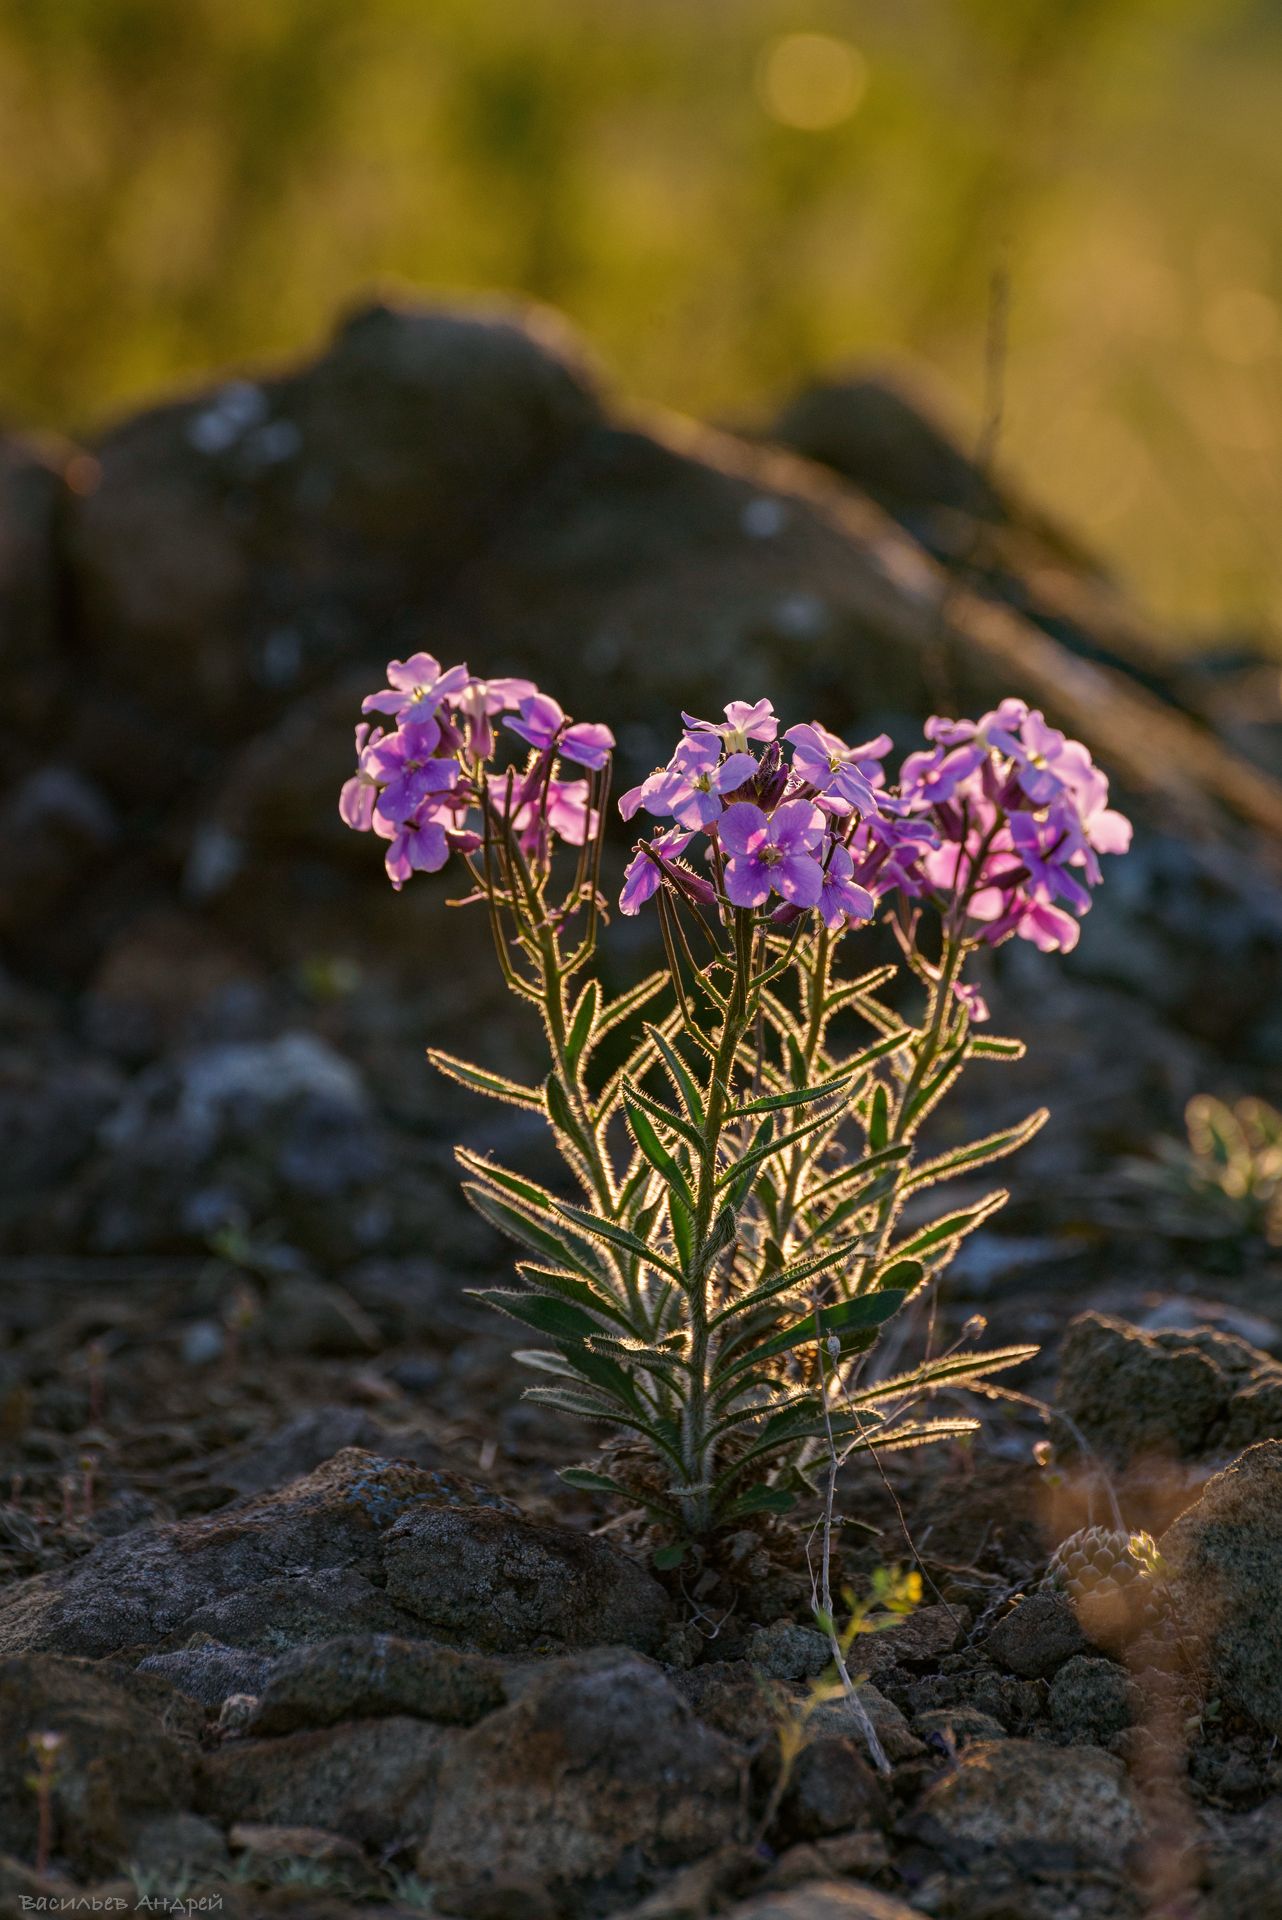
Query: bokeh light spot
x,y
812,81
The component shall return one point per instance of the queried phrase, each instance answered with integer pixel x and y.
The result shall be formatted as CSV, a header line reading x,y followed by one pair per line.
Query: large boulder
x,y
300,1564
1224,1569
266,529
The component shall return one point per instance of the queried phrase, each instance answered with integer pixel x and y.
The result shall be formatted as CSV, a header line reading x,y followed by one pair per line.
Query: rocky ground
x,y
286,1565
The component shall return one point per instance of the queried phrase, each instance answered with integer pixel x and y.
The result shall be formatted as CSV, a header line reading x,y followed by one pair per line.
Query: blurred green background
x,y
726,195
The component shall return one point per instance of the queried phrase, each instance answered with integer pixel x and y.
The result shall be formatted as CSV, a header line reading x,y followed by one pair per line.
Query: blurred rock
x,y
1224,1567
115,1766
367,1678
1040,1802
1176,1393
373,1781
265,530
1090,1700
1036,1637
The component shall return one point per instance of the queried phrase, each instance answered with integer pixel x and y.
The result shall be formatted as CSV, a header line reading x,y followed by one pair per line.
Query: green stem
x,y
696,1506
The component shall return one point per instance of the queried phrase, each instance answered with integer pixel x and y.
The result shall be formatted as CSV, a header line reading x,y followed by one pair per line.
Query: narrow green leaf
x,y
545,1312
794,1097
530,1233
738,1174
626,1004
847,1319
619,1236
481,1080
583,1025
992,1046
993,1147
657,1154
682,1079
663,1113
879,1118
665,1558
902,1276
560,1112
682,1220
952,1226
760,1499
503,1180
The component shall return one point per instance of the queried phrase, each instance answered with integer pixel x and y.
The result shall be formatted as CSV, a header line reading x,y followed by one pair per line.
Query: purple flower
x,y
418,845
745,720
644,873
405,764
416,688
843,901
356,801
972,999
480,700
835,770
928,778
772,853
549,808
690,787
543,724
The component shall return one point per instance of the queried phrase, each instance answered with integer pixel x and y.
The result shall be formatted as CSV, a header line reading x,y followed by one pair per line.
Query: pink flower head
x,y
543,723
836,771
547,810
772,853
928,778
415,688
745,720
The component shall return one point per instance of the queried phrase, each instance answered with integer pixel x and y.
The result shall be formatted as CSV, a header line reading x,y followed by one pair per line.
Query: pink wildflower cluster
x,y
421,785
1000,822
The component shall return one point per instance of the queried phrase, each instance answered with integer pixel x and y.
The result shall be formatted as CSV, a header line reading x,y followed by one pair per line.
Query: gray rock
x,y
372,1781
832,1789
116,1766
1036,1637
956,1726
360,1679
1176,1393
1023,1798
507,1585
179,1846
268,1854
784,1651
208,1672
1090,1699
1224,1567
603,1777
391,459
227,1573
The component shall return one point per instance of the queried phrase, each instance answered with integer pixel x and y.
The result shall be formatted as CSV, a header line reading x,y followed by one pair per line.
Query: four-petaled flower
x,y
772,853
416,688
